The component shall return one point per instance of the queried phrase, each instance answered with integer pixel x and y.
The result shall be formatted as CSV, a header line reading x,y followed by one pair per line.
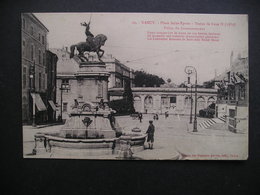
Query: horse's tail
x,y
72,48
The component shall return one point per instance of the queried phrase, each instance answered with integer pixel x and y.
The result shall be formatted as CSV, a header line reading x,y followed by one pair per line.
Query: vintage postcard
x,y
135,86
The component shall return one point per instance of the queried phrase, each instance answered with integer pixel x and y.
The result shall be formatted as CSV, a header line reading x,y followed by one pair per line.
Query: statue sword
x,y
90,18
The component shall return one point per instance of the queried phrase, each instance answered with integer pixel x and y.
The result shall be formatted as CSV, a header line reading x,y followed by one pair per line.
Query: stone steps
x,y
222,118
206,124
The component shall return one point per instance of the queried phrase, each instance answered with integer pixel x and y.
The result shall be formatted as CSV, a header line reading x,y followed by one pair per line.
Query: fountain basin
x,y
89,131
83,133
136,139
53,142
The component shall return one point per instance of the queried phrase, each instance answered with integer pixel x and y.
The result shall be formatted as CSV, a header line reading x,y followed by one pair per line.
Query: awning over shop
x,y
52,105
38,101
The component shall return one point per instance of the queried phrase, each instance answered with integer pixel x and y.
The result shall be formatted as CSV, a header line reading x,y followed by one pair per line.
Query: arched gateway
x,y
148,104
137,104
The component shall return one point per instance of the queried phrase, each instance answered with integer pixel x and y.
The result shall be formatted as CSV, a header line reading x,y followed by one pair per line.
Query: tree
x,y
125,105
209,84
128,96
182,85
149,80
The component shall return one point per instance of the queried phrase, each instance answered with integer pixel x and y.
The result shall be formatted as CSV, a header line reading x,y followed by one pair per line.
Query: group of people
x,y
156,117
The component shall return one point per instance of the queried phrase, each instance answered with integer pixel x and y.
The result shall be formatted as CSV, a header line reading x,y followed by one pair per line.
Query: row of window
x,y
65,85
241,92
40,38
41,55
172,100
165,101
120,82
25,77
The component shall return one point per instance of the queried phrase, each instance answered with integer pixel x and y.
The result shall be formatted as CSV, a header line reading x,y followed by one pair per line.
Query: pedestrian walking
x,y
150,134
166,114
75,106
155,117
140,116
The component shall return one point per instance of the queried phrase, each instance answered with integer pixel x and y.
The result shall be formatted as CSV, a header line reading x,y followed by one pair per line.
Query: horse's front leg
x,y
86,59
101,50
82,57
100,55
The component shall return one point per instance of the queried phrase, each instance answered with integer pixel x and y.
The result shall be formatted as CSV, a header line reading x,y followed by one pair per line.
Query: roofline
x,y
47,50
34,17
159,89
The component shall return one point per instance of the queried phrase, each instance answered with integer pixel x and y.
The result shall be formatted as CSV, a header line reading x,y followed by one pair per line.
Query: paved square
x,y
174,140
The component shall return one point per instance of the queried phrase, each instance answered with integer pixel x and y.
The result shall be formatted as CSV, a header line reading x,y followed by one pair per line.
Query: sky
x,y
127,40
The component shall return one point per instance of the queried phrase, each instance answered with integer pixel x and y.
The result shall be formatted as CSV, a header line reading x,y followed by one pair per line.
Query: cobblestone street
x,y
174,139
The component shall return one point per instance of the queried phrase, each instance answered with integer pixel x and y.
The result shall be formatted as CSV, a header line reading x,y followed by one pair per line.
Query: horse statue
x,y
82,47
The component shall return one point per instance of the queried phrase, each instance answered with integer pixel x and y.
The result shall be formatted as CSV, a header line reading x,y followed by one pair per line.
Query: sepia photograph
x,y
135,86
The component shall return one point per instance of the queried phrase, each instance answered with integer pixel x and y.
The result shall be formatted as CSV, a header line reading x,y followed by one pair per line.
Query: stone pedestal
x,y
92,81
40,144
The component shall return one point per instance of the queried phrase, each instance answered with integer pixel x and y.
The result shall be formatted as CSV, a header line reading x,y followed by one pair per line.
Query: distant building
x,y
51,65
162,99
65,77
119,73
168,85
34,72
233,93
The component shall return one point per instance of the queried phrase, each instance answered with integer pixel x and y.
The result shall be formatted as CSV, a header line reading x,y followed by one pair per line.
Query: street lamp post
x,y
32,90
188,84
191,102
61,90
195,117
62,87
189,70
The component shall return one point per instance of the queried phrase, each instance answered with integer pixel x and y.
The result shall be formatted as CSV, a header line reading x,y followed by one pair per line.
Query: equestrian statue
x,y
92,44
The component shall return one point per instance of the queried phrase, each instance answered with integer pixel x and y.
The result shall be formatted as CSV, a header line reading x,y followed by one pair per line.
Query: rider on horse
x,y
92,44
89,35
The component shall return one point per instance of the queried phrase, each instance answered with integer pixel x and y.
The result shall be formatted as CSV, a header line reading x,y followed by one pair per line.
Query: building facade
x,y
171,100
51,67
34,72
233,87
119,73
